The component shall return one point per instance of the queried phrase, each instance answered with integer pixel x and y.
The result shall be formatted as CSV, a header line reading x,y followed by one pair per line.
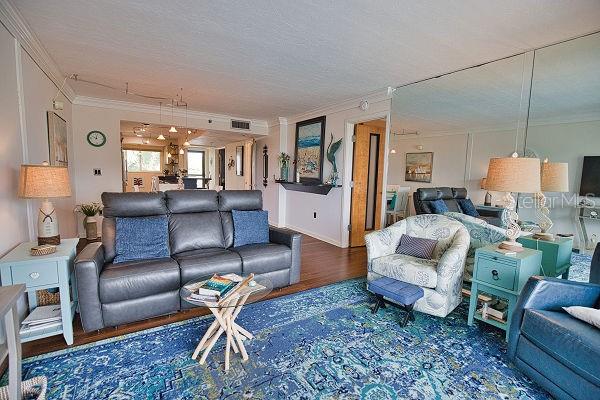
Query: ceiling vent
x,y
237,124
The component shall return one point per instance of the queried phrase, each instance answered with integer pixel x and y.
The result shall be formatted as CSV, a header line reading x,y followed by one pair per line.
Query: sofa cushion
x,y
265,257
574,343
467,207
407,269
133,204
141,238
240,200
192,201
585,314
135,279
199,263
250,227
438,206
195,231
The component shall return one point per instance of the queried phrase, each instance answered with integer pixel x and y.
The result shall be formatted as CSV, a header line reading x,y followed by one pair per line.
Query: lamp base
x,y
544,236
511,245
55,240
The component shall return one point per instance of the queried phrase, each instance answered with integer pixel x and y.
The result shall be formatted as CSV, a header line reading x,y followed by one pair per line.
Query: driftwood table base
x,y
224,323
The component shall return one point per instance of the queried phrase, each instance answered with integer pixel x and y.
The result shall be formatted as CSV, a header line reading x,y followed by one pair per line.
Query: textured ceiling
x,y
263,59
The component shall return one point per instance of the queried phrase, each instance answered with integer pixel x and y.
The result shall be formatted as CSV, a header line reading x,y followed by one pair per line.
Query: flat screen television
x,y
590,177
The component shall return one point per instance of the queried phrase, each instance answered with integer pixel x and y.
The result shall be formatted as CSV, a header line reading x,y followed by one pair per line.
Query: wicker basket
x,y
46,298
34,388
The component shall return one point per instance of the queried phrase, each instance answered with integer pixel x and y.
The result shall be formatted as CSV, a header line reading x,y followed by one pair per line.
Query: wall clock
x,y
96,138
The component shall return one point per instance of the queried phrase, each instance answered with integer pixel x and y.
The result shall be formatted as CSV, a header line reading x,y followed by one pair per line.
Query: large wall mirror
x,y
564,124
463,118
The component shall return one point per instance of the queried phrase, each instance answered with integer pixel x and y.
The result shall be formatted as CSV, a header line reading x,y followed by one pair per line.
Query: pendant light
x,y
186,143
181,151
172,128
160,136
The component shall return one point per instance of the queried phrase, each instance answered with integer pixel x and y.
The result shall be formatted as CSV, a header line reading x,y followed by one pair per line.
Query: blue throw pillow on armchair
x,y
467,207
438,206
250,227
141,238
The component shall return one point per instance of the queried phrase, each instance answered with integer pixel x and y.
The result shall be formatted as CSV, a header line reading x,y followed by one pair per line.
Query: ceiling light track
x,y
76,78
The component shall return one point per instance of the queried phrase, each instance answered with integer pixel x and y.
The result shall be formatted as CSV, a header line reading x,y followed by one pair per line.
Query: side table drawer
x,y
496,273
35,275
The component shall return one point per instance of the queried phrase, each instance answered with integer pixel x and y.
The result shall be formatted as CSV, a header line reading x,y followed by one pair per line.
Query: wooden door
x,y
367,178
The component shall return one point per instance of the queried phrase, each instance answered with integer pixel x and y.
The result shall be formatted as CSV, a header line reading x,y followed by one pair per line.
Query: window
x,y
195,163
142,160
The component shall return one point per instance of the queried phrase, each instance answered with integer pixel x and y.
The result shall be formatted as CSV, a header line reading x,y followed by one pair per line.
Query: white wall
x,y
271,191
13,212
333,210
232,180
25,140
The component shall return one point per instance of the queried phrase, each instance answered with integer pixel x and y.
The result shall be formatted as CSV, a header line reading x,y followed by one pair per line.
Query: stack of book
x,y
41,319
494,309
214,289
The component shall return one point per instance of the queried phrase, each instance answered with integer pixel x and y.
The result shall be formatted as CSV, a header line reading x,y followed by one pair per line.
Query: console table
x,y
585,213
44,272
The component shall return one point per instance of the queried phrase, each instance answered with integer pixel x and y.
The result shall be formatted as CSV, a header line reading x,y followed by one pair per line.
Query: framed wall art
x,y
310,135
419,167
57,140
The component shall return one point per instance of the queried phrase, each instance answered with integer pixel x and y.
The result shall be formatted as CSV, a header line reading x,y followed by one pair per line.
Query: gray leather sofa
x,y
201,243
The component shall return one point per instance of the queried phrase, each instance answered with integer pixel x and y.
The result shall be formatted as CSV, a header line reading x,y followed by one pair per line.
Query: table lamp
x,y
513,174
488,196
554,178
45,182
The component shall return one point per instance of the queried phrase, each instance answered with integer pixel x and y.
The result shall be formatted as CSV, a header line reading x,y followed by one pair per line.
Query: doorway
x,y
367,179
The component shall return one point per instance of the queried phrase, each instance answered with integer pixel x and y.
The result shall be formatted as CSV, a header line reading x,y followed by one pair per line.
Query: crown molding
x,y
349,104
154,109
14,22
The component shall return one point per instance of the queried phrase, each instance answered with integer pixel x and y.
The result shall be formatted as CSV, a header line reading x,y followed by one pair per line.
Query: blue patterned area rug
x,y
319,344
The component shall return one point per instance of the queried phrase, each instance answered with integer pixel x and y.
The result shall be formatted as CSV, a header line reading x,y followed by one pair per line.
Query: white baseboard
x,y
315,235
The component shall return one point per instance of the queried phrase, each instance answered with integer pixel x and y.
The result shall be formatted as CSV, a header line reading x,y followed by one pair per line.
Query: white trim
x,y
12,19
155,109
315,235
373,97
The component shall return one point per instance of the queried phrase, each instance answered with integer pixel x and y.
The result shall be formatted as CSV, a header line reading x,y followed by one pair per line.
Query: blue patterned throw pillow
x,y
438,206
416,247
250,227
467,207
141,238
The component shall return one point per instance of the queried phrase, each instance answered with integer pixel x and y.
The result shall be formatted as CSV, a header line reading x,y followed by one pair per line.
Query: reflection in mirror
x,y
464,118
564,125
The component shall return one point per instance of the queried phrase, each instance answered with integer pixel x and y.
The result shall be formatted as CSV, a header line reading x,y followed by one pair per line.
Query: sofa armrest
x,y
540,293
490,211
293,240
88,265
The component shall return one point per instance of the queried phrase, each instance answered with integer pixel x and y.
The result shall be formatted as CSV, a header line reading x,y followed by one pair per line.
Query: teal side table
x,y
503,276
556,255
44,272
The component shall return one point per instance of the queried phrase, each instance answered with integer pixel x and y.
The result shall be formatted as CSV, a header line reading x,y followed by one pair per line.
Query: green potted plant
x,y
90,224
284,162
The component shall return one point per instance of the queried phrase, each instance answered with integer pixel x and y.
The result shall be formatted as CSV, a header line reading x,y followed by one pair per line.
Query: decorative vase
x,y
284,173
91,228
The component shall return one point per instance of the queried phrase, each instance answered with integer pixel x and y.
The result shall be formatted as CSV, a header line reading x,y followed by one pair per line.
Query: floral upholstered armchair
x,y
441,277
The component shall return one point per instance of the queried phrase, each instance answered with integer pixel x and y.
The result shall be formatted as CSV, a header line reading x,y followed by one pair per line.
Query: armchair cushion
x,y
406,268
416,247
574,343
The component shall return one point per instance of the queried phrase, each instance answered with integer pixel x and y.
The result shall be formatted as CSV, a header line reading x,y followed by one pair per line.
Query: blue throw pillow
x,y
141,238
416,247
438,206
250,227
467,207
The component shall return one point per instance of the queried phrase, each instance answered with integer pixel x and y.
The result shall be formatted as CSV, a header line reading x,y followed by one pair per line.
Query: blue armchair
x,y
559,352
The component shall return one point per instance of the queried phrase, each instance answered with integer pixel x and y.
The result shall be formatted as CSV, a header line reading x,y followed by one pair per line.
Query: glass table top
x,y
248,290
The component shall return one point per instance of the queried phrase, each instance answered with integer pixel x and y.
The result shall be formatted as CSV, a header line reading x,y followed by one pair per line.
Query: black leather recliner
x,y
424,196
201,243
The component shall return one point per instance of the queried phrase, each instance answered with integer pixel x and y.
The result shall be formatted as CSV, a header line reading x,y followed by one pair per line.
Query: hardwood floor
x,y
322,264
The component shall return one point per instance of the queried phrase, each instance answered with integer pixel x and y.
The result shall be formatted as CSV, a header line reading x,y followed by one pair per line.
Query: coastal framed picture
x,y
310,136
57,140
419,167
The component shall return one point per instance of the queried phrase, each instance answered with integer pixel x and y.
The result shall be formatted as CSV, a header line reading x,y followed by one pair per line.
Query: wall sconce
x,y
265,165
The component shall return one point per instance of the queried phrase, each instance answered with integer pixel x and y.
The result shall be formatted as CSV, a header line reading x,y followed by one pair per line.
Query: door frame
x,y
348,164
